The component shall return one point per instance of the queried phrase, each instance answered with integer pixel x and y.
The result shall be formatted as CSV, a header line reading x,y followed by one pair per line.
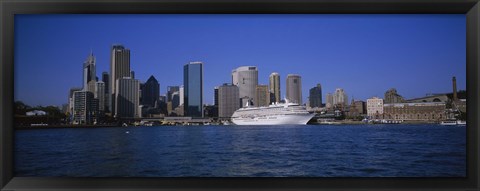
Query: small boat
x,y
461,123
448,123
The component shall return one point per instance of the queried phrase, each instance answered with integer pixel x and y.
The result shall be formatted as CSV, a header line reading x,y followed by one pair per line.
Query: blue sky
x,y
363,54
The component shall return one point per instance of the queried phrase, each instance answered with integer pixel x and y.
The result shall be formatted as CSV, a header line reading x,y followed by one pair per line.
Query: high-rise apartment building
x,y
340,98
127,97
84,107
227,100
329,103
119,68
294,88
274,87
315,96
246,78
193,89
150,92
262,95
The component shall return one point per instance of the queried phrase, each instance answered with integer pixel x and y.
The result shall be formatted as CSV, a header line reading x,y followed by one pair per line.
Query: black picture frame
x,y
8,9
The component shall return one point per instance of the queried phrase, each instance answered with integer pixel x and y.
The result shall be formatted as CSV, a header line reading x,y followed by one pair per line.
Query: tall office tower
x,y
294,88
454,84
227,100
100,95
150,92
83,107
181,94
215,96
274,80
106,80
329,103
315,97
119,68
127,98
246,78
193,89
89,73
262,95
340,97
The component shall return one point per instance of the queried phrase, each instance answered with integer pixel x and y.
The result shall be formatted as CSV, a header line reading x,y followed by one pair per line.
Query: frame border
x,y
8,8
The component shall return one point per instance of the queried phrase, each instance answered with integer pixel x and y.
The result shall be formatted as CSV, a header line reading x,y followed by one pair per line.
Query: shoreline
x,y
311,124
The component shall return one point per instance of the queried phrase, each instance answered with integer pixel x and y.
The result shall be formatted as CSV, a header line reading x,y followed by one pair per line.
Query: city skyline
x,y
438,51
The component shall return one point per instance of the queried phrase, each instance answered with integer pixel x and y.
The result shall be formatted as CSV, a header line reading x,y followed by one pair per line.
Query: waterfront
x,y
244,151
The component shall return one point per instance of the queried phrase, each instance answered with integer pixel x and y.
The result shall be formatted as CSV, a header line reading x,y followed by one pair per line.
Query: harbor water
x,y
397,150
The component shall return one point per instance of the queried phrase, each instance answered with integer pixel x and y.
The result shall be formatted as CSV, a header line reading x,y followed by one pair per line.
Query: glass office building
x,y
193,89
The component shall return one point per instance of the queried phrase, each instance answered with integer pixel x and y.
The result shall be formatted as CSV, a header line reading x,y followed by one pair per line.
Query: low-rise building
x,y
375,108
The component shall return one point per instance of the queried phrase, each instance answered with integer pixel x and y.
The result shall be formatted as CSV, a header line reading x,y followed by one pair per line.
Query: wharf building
x,y
315,97
423,111
227,100
193,89
127,98
274,87
375,108
262,95
294,88
246,78
119,68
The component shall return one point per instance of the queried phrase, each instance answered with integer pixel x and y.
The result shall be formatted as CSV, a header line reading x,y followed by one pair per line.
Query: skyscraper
x,y
329,98
127,97
119,68
315,97
262,95
246,78
193,89
215,96
227,100
106,81
150,92
100,95
181,94
274,82
294,88
340,98
89,73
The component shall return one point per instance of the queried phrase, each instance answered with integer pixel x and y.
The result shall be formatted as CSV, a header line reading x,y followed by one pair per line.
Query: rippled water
x,y
252,151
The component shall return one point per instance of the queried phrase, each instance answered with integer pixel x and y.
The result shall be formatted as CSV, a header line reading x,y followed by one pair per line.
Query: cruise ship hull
x,y
275,120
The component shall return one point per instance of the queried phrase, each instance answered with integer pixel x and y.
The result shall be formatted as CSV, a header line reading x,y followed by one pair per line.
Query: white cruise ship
x,y
275,114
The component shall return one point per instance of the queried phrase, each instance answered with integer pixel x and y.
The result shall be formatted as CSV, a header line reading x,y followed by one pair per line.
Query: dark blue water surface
x,y
252,151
